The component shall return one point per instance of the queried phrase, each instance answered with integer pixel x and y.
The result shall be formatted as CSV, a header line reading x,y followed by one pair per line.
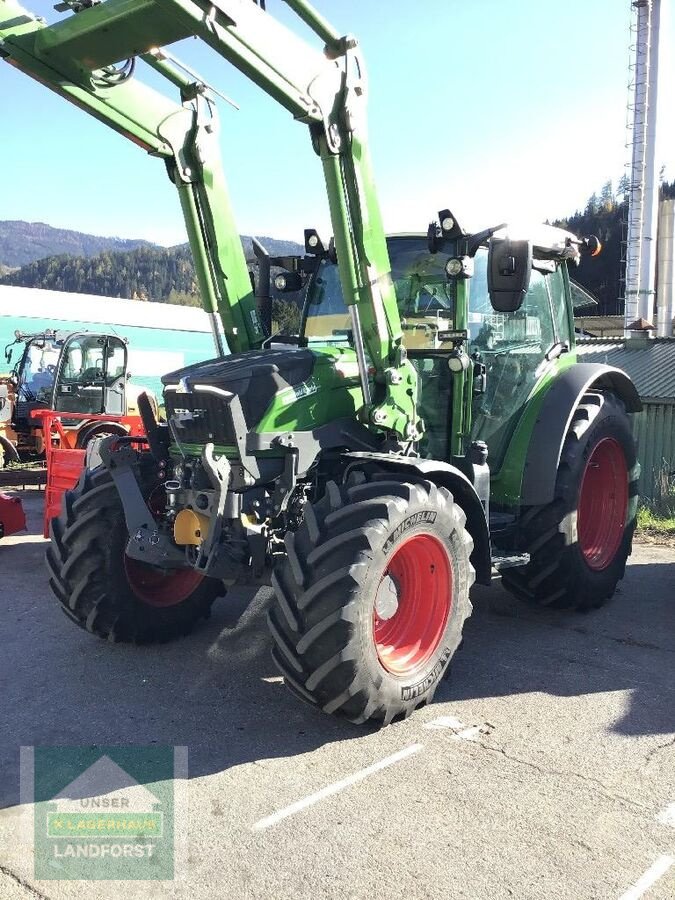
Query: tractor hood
x,y
281,389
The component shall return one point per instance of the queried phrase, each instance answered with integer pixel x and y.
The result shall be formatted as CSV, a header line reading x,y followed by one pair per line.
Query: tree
x,y
623,187
607,197
592,206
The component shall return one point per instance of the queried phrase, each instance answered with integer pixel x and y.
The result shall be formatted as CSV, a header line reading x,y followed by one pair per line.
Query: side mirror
x,y
509,270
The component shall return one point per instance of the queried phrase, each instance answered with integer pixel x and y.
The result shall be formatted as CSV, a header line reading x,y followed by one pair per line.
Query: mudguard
x,y
89,430
548,435
450,477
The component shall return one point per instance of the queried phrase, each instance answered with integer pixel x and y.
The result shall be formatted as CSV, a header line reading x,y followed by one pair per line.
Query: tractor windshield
x,y
92,375
424,294
37,370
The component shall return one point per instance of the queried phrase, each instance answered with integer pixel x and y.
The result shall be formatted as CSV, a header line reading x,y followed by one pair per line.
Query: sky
x,y
497,110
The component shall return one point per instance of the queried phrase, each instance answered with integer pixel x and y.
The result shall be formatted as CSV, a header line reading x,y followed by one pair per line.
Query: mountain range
x,y
24,242
36,255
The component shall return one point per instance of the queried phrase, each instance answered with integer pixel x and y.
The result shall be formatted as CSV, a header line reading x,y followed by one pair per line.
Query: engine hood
x,y
280,389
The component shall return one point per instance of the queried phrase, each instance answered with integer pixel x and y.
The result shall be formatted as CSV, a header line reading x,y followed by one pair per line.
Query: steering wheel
x,y
90,376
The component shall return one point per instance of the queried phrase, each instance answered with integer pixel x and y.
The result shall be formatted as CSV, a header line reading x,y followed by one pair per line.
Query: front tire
x,y
103,590
371,598
579,544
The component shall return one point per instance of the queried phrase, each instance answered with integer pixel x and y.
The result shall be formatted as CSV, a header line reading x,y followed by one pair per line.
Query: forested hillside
x,y
146,273
605,215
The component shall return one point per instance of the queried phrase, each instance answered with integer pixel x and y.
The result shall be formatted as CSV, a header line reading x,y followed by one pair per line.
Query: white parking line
x,y
667,816
337,786
650,877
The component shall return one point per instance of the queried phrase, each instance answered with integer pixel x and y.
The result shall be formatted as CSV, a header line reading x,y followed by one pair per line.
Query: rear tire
x,y
104,591
579,544
371,598
8,452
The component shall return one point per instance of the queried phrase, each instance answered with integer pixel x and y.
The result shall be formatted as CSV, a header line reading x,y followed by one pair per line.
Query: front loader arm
x,y
327,90
184,135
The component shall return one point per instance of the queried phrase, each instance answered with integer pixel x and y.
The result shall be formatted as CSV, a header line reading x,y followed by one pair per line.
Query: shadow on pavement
x,y
217,691
209,691
629,644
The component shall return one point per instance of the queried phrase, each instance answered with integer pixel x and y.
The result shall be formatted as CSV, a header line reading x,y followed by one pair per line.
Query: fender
x,y
450,477
552,423
90,430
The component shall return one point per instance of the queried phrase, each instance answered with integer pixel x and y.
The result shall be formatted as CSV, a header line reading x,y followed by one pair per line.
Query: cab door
x,y
91,377
517,349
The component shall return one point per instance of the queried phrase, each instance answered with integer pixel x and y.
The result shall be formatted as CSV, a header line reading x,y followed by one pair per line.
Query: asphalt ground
x,y
545,768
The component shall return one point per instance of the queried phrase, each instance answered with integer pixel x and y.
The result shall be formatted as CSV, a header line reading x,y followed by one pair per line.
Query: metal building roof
x,y
650,363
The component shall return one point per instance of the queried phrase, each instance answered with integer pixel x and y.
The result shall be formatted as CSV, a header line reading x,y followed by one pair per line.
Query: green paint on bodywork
x,y
507,483
332,392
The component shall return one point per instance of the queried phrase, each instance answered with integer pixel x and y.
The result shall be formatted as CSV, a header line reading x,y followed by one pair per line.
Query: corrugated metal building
x,y
651,365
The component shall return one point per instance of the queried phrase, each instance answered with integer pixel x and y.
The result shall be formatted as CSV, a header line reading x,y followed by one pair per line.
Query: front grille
x,y
211,420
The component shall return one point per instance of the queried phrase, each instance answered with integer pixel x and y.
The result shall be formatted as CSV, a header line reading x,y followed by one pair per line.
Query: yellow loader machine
x,y
428,425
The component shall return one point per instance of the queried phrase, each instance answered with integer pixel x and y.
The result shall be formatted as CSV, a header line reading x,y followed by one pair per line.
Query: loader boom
x,y
184,135
326,89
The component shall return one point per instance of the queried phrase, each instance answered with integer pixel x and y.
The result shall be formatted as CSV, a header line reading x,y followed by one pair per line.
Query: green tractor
x,y
428,426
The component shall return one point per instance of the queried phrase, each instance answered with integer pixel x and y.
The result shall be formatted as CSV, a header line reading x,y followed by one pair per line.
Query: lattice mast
x,y
643,187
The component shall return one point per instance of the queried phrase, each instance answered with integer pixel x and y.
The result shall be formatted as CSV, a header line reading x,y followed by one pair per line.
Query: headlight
x,y
287,282
459,267
447,223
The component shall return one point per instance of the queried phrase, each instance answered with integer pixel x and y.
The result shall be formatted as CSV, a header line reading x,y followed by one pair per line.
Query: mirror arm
x,y
474,241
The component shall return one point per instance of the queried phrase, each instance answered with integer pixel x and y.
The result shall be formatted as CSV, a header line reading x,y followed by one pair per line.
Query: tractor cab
x,y
480,344
92,375
426,298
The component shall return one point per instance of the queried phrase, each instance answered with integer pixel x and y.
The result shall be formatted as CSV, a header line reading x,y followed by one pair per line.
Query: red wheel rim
x,y
158,588
421,572
603,504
